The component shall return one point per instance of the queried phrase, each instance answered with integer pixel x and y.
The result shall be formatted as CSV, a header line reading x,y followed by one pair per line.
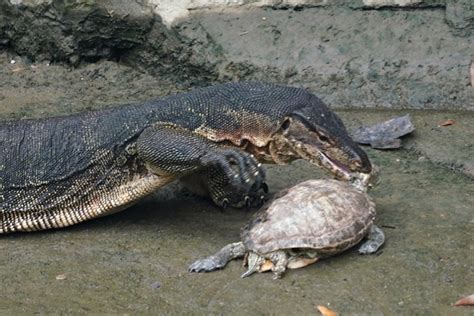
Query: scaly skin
x,y
60,171
280,259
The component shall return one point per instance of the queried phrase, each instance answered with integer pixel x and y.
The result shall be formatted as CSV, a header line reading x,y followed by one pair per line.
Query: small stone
x,y
155,285
468,168
389,3
264,18
472,73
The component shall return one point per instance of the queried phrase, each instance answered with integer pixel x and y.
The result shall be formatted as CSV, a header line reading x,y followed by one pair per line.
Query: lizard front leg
x,y
229,175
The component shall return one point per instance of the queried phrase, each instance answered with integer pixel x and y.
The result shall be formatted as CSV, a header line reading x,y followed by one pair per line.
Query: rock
x,y
391,3
171,11
460,16
73,30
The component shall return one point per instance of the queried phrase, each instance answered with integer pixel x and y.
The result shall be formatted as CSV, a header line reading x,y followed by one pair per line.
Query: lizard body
x,y
56,172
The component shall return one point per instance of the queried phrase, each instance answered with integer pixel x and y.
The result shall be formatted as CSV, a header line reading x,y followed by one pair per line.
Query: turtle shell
x,y
326,215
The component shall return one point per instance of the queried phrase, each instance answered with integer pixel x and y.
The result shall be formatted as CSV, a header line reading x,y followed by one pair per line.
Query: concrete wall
x,y
357,53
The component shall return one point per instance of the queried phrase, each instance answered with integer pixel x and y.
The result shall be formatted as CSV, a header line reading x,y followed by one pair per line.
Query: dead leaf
x,y
384,135
61,277
448,122
326,311
466,301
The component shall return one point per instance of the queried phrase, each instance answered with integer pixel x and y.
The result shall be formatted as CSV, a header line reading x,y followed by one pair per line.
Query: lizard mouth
x,y
338,169
315,156
362,181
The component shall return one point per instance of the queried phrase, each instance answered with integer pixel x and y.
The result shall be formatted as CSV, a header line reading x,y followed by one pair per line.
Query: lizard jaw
x,y
316,157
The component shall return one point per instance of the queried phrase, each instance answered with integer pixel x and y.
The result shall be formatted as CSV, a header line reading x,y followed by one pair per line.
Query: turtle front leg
x,y
219,259
375,240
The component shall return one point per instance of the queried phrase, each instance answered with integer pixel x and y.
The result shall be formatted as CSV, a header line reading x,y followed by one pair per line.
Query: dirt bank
x,y
350,53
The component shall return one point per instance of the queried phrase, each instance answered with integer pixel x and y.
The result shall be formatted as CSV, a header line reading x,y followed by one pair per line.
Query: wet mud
x,y
135,262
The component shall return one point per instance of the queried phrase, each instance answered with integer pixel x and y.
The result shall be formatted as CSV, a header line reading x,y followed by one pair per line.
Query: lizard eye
x,y
285,125
323,138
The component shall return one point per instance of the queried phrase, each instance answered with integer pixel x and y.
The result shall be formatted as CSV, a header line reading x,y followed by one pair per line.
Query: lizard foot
x,y
235,178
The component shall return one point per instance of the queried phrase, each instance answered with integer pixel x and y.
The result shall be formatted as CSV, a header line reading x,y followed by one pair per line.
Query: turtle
x,y
312,220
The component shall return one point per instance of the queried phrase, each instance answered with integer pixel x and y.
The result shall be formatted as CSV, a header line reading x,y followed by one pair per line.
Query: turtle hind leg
x,y
375,240
219,259
280,262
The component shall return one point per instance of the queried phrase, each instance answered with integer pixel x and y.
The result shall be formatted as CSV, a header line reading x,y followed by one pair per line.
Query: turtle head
x,y
317,135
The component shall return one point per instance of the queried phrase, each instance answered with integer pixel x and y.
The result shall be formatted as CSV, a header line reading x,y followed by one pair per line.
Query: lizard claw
x,y
225,203
265,187
247,201
236,178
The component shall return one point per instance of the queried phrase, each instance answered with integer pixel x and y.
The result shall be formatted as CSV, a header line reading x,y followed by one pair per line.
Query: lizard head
x,y
318,136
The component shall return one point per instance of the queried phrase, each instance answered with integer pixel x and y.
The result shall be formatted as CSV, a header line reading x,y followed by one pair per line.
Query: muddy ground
x,y
135,262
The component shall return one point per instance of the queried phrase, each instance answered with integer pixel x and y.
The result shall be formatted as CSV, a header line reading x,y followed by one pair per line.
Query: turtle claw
x,y
368,247
248,273
276,276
